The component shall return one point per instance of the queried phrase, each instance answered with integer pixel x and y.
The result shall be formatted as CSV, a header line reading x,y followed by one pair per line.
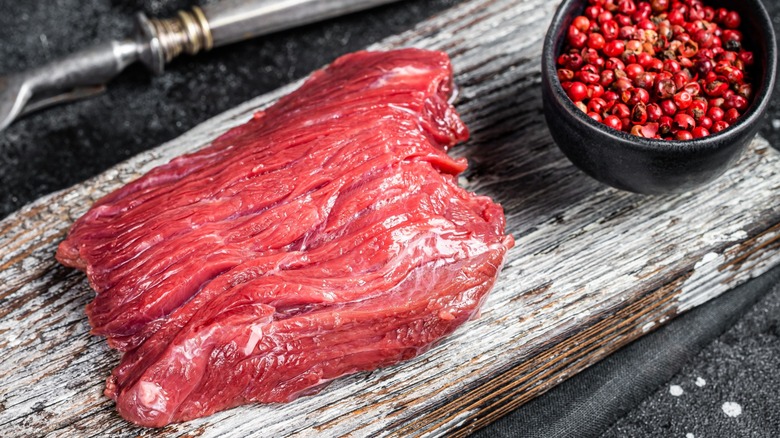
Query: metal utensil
x,y
155,43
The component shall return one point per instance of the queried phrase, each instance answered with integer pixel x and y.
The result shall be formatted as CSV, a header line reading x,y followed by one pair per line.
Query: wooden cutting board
x,y
593,269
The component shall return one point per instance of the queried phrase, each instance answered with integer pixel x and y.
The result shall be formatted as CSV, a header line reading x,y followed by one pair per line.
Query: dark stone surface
x,y
62,146
65,145
742,366
628,393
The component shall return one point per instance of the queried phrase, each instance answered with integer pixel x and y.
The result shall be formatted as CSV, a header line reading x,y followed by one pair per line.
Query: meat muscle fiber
x,y
324,237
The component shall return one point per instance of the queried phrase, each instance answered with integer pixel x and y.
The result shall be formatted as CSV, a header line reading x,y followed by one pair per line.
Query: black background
x,y
62,146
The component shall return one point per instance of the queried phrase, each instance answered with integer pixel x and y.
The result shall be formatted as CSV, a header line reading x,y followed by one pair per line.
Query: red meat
x,y
324,237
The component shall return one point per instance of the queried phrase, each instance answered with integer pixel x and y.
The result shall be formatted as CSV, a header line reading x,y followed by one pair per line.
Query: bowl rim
x,y
714,140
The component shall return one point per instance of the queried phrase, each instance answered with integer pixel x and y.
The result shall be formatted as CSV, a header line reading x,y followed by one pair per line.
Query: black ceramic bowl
x,y
646,165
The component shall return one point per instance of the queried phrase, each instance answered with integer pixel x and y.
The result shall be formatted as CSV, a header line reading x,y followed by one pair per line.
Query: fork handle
x,y
236,20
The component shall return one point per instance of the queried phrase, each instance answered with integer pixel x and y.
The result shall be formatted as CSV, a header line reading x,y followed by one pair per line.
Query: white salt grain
x,y
700,382
732,409
675,390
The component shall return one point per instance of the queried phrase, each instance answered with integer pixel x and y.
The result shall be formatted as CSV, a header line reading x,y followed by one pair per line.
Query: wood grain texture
x,y
593,269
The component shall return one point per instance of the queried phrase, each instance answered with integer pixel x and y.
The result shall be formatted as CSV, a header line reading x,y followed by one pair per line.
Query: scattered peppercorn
x,y
665,69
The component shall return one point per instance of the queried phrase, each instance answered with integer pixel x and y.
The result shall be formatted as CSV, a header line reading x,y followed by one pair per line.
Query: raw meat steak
x,y
324,237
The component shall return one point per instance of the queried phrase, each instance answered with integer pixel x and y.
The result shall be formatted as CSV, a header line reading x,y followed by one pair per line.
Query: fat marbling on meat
x,y
326,236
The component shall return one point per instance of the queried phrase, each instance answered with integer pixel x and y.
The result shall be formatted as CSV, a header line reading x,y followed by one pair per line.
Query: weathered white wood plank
x,y
593,268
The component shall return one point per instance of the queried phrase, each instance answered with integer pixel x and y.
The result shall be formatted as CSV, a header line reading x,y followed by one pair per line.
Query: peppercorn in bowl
x,y
657,96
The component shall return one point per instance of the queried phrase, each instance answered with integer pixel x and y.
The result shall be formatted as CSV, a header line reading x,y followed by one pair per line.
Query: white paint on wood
x,y
584,251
